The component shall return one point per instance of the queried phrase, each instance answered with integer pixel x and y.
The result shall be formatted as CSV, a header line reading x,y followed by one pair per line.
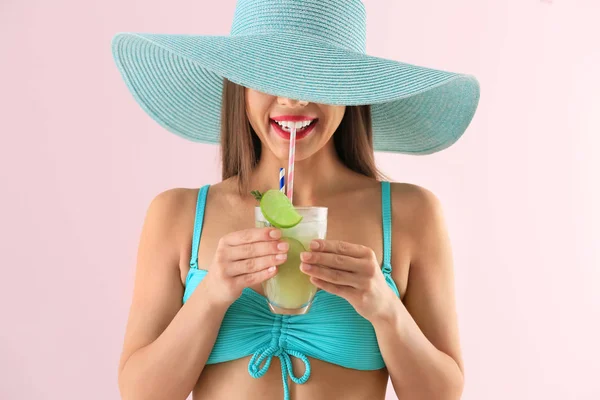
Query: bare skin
x,y
167,344
326,379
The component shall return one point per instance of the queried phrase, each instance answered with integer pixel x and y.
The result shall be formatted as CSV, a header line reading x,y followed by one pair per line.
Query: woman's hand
x,y
242,259
350,271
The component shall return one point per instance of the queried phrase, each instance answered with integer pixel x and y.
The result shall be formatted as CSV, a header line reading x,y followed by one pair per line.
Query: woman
x,y
198,321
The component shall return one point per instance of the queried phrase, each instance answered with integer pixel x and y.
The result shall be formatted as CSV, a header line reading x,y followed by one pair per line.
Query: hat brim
x,y
177,80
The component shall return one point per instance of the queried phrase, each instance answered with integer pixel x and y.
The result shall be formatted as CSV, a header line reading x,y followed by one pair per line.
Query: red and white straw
x,y
290,180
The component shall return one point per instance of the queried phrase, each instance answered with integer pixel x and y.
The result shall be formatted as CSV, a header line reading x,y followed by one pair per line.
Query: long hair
x,y
241,147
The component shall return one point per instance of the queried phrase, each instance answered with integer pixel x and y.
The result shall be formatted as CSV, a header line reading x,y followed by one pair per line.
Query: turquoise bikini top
x,y
331,331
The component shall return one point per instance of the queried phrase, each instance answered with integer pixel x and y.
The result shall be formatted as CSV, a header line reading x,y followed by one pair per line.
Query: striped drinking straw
x,y
290,180
282,180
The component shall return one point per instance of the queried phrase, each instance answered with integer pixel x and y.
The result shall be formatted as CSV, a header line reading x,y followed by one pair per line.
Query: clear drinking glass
x,y
290,291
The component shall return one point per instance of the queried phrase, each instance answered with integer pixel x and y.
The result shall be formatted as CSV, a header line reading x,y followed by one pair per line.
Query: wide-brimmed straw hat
x,y
313,50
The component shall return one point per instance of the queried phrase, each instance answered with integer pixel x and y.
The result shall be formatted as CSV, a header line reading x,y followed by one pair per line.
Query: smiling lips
x,y
282,125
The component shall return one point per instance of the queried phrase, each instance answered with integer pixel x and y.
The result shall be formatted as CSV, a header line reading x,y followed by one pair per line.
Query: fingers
x,y
251,235
247,280
340,247
333,260
342,291
258,249
330,275
256,264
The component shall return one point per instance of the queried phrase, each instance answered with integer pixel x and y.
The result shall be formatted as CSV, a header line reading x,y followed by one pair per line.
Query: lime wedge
x,y
278,210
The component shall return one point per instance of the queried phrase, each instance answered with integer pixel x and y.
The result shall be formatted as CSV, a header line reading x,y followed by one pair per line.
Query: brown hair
x,y
241,147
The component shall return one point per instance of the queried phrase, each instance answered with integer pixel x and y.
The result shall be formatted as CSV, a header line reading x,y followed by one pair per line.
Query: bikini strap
x,y
198,221
386,211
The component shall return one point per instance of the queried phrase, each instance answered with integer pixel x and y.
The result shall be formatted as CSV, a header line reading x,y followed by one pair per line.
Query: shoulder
x,y
415,200
170,198
173,211
170,215
172,203
419,213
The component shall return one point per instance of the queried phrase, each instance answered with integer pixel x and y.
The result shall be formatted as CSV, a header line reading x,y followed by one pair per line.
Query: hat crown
x,y
340,22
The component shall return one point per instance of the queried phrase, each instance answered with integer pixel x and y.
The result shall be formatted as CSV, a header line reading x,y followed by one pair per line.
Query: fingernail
x,y
271,269
275,234
305,256
305,267
314,245
283,246
281,256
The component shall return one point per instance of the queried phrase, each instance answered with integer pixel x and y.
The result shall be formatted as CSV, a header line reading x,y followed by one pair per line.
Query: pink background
x,y
80,162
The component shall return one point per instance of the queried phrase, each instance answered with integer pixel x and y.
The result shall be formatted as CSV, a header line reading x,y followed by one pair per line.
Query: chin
x,y
305,148
282,153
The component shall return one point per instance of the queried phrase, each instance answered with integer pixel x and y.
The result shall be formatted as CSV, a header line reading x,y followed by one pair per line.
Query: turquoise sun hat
x,y
312,50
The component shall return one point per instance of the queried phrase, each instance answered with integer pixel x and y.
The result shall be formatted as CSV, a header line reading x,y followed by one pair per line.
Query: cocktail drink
x,y
290,291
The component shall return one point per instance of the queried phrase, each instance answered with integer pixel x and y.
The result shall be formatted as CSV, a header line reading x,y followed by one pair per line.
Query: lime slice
x,y
278,210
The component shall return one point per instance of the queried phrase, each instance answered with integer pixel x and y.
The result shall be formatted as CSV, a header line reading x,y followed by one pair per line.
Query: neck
x,y
315,176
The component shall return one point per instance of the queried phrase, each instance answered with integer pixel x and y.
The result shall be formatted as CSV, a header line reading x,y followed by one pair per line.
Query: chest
x,y
357,221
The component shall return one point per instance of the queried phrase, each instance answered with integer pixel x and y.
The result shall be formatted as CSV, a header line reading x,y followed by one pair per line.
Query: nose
x,y
287,102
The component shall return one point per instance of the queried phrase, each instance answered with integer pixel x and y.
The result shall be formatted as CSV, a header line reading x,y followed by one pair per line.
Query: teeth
x,y
290,124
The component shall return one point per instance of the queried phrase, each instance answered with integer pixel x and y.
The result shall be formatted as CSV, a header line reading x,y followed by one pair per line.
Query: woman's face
x,y
271,117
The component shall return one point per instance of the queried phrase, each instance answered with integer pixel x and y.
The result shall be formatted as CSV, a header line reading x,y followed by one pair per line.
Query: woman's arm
x,y
419,337
166,344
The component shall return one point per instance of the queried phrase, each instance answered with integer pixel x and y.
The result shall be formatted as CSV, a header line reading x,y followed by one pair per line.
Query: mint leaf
x,y
257,195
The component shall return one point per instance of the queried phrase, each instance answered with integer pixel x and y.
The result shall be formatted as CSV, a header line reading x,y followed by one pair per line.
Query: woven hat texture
x,y
313,50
